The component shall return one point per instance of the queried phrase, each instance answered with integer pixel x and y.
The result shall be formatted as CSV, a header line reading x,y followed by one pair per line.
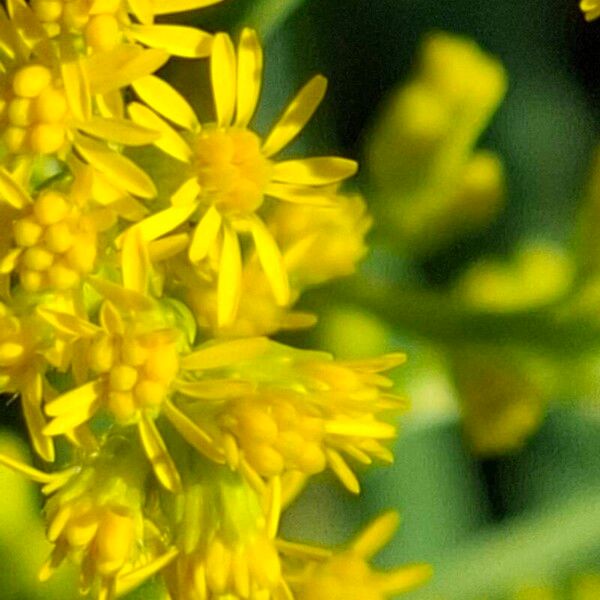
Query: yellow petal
x,y
172,6
169,141
215,389
32,410
67,323
156,451
223,354
118,169
135,264
132,579
122,297
110,318
342,470
77,88
205,235
118,68
26,470
187,42
370,429
223,78
298,194
168,247
191,433
12,193
314,171
10,261
296,115
272,262
404,579
186,193
376,535
230,277
143,10
250,64
162,222
74,400
119,131
166,101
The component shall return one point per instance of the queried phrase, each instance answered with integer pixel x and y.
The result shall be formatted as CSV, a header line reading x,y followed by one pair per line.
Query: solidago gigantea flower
x,y
225,533
590,8
231,172
299,410
346,575
104,24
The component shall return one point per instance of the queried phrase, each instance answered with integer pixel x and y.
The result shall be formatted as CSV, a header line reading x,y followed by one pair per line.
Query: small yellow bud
x,y
47,138
122,406
47,11
51,207
31,80
102,354
58,237
26,232
62,277
149,393
15,138
265,459
114,543
32,281
81,530
20,112
81,256
38,258
123,378
312,459
50,106
102,32
133,353
162,364
255,423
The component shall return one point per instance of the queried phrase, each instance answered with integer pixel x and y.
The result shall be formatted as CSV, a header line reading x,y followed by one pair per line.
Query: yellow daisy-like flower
x,y
347,575
590,8
95,518
52,100
297,410
231,171
226,539
106,23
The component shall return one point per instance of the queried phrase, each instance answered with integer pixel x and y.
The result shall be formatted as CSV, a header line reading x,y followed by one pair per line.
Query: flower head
x,y
231,172
590,8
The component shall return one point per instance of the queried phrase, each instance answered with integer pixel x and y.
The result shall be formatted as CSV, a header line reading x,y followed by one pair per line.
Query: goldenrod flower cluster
x,y
134,321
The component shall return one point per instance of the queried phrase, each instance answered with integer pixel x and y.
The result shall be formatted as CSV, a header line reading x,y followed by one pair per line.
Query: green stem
x,y
527,550
442,319
267,16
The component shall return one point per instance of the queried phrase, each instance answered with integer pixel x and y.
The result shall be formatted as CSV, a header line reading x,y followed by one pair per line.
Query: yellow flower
x,y
106,23
231,171
590,8
299,410
95,517
347,575
226,539
51,99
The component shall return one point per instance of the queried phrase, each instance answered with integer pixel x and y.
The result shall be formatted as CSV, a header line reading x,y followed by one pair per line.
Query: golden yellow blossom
x,y
590,8
226,539
299,410
347,575
231,171
107,23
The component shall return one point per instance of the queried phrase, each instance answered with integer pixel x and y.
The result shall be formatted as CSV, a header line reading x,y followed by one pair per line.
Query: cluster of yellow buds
x,y
134,321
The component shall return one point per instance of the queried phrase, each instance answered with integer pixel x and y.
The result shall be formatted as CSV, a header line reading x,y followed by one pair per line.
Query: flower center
x,y
139,370
34,112
59,244
231,169
101,27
